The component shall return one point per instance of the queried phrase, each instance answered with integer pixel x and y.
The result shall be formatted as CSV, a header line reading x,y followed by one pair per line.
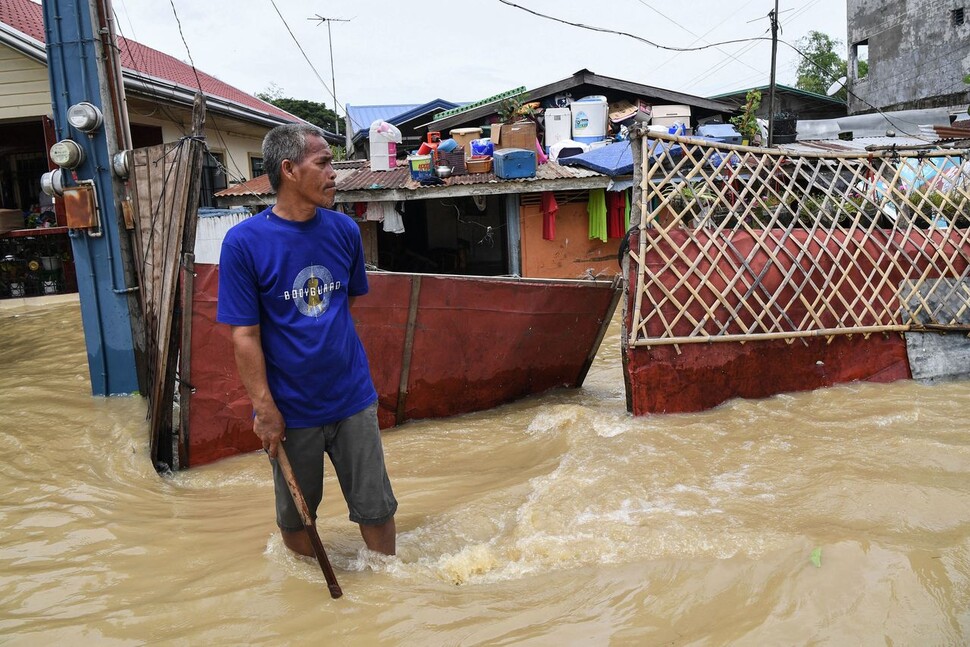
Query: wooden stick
x,y
311,528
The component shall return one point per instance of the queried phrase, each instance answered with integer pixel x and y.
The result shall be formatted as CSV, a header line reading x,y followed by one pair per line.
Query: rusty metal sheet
x,y
703,376
80,207
694,377
478,342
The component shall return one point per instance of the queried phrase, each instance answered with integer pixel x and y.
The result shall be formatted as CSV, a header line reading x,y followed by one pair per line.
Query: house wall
x,y
25,92
571,253
24,89
917,56
235,140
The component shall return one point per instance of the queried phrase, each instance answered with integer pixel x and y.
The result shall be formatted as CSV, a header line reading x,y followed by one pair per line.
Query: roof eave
x,y
23,43
580,78
148,85
153,87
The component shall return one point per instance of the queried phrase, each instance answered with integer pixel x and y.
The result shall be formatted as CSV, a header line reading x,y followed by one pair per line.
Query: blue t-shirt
x,y
294,279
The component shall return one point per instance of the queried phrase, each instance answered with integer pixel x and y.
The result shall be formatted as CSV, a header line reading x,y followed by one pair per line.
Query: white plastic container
x,y
558,126
589,118
383,140
669,115
559,147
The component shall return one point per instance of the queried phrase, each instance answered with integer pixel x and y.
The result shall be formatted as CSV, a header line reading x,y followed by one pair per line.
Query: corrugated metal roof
x,y
400,178
857,145
257,185
260,185
364,179
363,116
958,130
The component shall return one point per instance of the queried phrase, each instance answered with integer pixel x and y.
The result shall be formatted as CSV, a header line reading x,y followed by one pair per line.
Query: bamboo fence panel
x,y
744,244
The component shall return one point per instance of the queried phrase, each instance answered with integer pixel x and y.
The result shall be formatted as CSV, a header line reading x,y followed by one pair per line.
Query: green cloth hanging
x,y
597,214
626,211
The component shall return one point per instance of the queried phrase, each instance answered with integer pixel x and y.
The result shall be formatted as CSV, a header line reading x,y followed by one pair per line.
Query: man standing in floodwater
x,y
287,278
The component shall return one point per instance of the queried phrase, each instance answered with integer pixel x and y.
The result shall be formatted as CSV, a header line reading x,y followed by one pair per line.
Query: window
x,y
958,17
256,166
213,178
860,53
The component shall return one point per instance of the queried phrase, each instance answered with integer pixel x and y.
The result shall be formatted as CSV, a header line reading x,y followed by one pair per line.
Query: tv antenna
x,y
333,83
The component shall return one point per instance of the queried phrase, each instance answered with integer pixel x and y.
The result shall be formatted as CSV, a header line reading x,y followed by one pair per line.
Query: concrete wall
x,y
223,135
917,55
572,253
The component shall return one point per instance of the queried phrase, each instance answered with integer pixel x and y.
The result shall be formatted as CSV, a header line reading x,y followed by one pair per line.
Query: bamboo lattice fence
x,y
743,244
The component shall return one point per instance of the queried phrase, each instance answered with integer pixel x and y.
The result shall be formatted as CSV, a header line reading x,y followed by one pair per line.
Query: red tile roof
x,y
27,17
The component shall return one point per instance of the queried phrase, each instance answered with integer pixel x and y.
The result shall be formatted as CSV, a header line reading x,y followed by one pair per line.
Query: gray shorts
x,y
354,446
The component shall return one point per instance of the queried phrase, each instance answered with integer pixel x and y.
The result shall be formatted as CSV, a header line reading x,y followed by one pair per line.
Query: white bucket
x,y
589,119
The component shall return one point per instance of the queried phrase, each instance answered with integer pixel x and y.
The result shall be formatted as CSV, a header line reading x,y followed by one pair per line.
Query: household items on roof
x,y
384,138
536,132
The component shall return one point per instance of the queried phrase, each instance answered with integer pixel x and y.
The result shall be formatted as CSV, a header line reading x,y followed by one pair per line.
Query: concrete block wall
x,y
918,54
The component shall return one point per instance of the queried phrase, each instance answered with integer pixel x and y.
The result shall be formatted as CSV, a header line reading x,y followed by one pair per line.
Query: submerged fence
x,y
741,244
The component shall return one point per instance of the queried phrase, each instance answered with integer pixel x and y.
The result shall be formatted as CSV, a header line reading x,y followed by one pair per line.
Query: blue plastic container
x,y
482,147
513,163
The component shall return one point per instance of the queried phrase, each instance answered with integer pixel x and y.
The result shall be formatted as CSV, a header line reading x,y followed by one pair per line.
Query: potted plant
x,y
690,203
747,121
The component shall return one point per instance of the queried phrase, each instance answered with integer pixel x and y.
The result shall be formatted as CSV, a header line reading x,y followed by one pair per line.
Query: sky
x,y
410,52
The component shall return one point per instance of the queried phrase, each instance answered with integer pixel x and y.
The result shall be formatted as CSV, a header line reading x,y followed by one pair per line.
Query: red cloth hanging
x,y
549,209
615,209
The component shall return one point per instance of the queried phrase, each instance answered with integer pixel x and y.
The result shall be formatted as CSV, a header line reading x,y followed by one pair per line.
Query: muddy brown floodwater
x,y
840,516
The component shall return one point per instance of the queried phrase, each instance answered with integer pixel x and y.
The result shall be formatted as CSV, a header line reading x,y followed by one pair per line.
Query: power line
x,y
307,58
187,51
714,69
627,34
825,72
697,38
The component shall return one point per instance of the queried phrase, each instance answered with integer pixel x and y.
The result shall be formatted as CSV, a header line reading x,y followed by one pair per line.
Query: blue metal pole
x,y
76,75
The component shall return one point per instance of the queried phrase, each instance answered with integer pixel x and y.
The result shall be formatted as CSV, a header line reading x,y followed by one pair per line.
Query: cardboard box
x,y
626,112
521,134
11,219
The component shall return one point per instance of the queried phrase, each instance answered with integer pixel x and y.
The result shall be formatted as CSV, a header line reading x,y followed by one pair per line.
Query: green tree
x,y
821,64
317,114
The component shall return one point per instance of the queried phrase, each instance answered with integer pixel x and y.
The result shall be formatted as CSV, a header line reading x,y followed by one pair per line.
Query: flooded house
x,y
34,244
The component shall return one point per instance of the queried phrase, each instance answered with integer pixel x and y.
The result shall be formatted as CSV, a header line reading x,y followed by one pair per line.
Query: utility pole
x,y
91,122
333,82
773,16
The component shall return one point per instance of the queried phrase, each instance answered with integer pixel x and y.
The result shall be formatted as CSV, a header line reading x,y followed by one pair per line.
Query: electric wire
x,y
187,51
159,104
825,72
696,37
707,73
307,58
604,30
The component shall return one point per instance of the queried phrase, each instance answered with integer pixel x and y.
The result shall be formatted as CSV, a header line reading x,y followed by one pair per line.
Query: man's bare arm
x,y
251,364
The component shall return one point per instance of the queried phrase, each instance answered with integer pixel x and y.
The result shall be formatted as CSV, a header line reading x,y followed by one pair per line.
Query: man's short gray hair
x,y
286,142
